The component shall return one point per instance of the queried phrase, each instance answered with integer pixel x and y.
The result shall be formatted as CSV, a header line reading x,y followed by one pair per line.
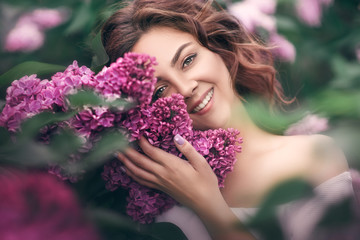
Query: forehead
x,y
162,42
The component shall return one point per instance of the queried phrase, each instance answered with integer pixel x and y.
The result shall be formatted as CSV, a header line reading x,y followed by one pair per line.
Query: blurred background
x,y
316,45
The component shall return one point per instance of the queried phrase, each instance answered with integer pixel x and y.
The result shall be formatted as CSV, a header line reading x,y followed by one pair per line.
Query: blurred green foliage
x,y
325,79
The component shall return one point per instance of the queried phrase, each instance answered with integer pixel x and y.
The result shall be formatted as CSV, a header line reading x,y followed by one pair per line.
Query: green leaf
x,y
4,136
100,57
87,97
28,153
274,121
65,143
109,143
337,103
28,68
30,128
347,73
82,19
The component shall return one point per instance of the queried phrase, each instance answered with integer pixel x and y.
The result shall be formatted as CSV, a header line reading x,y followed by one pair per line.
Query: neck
x,y
255,139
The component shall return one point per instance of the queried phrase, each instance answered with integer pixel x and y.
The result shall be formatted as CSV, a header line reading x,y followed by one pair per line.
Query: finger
x,y
141,160
195,158
138,174
155,153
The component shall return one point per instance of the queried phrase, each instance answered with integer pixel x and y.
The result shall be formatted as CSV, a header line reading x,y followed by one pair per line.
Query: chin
x,y
214,125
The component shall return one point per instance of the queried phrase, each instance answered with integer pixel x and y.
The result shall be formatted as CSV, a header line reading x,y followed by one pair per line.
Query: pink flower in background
x,y
28,34
259,14
254,13
26,38
310,124
49,18
283,49
37,206
265,6
310,11
357,52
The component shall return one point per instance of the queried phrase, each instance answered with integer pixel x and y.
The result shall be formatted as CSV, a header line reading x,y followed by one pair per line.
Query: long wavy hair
x,y
249,62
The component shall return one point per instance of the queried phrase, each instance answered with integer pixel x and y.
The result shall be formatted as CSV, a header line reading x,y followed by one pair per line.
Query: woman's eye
x,y
158,93
188,61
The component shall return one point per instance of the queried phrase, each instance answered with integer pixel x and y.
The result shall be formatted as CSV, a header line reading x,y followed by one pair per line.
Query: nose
x,y
186,87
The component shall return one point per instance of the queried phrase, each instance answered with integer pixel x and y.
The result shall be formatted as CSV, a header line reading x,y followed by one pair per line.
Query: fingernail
x,y
179,139
123,169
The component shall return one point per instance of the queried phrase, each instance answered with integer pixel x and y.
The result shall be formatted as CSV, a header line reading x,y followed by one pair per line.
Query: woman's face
x,y
185,67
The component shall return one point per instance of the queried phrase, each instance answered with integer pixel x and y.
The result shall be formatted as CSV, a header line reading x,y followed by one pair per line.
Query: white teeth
x,y
205,101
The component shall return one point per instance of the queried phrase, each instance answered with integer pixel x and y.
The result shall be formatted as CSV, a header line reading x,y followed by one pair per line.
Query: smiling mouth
x,y
206,100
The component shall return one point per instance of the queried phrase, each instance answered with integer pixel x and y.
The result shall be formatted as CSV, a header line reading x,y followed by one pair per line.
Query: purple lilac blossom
x,y
22,101
28,34
39,206
159,123
130,77
69,81
310,124
30,95
310,11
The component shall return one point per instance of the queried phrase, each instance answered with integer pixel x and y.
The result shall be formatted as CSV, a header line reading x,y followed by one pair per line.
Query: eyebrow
x,y
178,52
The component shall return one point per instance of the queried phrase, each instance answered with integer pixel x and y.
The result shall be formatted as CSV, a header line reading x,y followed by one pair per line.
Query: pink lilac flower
x,y
69,81
310,11
130,77
91,121
22,102
254,14
30,95
38,206
284,50
47,18
310,124
28,34
259,14
24,38
265,6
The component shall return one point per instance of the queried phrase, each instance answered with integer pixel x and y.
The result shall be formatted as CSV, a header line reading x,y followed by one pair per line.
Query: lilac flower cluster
x,y
159,123
131,78
310,11
39,206
30,95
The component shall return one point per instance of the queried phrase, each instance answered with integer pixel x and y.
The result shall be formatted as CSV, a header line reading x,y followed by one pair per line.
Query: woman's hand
x,y
189,182
192,183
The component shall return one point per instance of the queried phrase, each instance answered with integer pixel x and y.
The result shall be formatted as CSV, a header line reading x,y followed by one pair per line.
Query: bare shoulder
x,y
325,157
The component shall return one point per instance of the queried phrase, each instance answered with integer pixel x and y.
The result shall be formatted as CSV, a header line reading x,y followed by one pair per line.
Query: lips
x,y
204,102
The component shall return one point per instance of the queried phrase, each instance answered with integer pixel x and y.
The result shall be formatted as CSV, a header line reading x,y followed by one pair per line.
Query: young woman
x,y
206,55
